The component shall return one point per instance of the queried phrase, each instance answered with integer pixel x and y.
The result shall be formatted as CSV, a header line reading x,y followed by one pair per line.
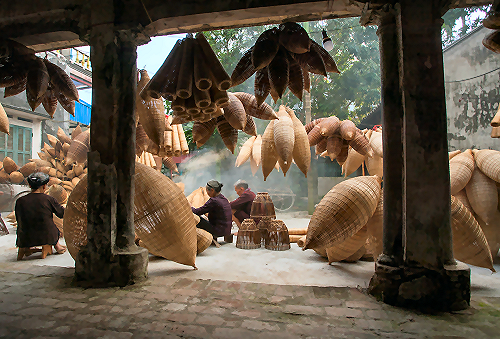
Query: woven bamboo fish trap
x,y
461,168
4,121
329,126
253,166
9,165
309,126
163,218
176,144
245,151
151,115
348,247
294,37
53,181
40,163
52,140
250,127
301,241
375,229
284,136
334,146
59,193
203,129
262,87
248,235
265,48
170,164
301,152
62,136
320,146
256,150
490,231
182,140
49,102
228,133
483,196
198,197
278,71
61,81
361,144
488,162
375,165
37,82
343,211
353,162
27,169
244,69
141,138
376,143
469,242
235,113
16,177
269,154
79,148
314,136
453,153
311,61
75,219
462,197
295,78
277,236
204,240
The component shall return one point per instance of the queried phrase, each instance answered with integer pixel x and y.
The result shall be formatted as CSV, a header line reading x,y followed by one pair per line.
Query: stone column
x,y
429,278
392,122
111,256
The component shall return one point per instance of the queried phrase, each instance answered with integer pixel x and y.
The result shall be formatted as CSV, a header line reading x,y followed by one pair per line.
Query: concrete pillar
x,y
428,278
392,120
111,256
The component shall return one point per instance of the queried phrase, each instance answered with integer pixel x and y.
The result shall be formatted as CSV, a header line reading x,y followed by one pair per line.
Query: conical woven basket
x,y
79,148
348,247
63,137
4,121
262,87
483,196
344,210
27,169
311,61
256,150
244,69
151,115
295,78
277,236
245,152
203,129
248,235
461,168
376,143
329,126
16,177
488,162
284,136
294,37
301,152
453,153
250,127
61,81
314,136
265,48
491,233
228,133
235,113
462,197
75,219
353,162
361,144
375,165
375,229
309,126
9,165
334,146
469,242
269,156
59,193
75,132
49,102
278,71
330,65
204,240
52,140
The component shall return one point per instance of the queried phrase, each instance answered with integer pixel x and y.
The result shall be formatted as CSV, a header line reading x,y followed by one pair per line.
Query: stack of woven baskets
x,y
285,141
45,83
283,57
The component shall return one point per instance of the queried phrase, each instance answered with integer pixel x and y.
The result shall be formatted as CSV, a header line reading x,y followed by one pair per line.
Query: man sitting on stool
x,y
242,206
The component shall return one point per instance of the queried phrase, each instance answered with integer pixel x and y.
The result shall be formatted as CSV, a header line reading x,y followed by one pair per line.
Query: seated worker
x,y
34,215
241,206
219,212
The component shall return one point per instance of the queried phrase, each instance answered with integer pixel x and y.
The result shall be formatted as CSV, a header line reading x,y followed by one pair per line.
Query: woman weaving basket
x,y
34,215
219,212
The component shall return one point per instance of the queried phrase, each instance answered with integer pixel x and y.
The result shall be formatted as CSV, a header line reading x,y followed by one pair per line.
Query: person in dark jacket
x,y
34,215
219,212
242,206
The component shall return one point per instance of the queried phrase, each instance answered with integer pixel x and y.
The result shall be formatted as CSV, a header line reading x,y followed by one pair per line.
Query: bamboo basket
x,y
311,61
252,107
376,143
269,155
54,181
344,210
182,140
170,164
16,177
49,102
59,193
203,129
63,138
265,48
334,147
75,132
294,238
253,166
221,79
301,241
141,138
40,163
151,114
262,87
248,235
52,140
244,69
294,37
250,127
204,240
483,196
285,166
245,151
375,165
301,152
75,219
295,78
176,145
297,231
347,130
78,148
235,113
488,162
277,236
9,165
469,242
462,197
185,79
348,247
4,121
309,126
27,169
329,126
314,136
278,72
361,145
461,168
256,150
491,233
228,133
353,162
284,136
375,229
453,153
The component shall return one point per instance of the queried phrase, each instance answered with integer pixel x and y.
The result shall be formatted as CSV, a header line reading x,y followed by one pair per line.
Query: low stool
x,y
46,250
26,252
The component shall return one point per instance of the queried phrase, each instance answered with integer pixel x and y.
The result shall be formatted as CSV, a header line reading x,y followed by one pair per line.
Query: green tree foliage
x,y
461,21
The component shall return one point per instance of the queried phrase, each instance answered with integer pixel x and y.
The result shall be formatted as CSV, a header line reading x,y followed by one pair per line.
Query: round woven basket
x,y
204,239
16,177
343,211
248,235
277,238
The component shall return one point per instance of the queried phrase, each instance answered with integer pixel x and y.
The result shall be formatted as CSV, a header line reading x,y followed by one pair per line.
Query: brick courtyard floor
x,y
41,302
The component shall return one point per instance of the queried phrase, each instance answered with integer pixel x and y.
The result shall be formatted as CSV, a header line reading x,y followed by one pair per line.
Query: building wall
x,y
471,104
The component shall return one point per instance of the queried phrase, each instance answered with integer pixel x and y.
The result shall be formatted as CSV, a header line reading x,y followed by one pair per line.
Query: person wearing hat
x,y
219,212
242,206
34,215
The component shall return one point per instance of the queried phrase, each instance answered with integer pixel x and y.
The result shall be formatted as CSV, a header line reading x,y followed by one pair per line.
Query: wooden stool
x,y
46,250
26,252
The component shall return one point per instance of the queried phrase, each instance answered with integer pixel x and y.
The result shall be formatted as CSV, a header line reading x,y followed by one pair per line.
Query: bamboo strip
x,y
185,79
182,140
222,79
176,146
201,73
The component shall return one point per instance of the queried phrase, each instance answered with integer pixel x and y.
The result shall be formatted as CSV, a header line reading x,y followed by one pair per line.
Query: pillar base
x,y
121,269
421,288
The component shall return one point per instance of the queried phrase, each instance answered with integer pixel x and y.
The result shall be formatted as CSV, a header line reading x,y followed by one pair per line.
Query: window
x,y
17,145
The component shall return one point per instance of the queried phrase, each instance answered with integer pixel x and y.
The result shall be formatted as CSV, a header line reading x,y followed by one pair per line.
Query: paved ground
x,y
38,300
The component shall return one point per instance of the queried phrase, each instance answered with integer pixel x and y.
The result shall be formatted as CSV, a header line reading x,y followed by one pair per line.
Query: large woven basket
x,y
269,156
375,229
361,144
329,126
235,113
488,162
301,151
4,121
204,240
151,115
257,150
309,126
203,129
75,219
9,165
277,238
348,247
462,196
27,169
461,168
78,148
265,48
245,151
59,193
248,235
469,241
483,196
263,111
228,134
62,136
284,136
344,210
353,162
